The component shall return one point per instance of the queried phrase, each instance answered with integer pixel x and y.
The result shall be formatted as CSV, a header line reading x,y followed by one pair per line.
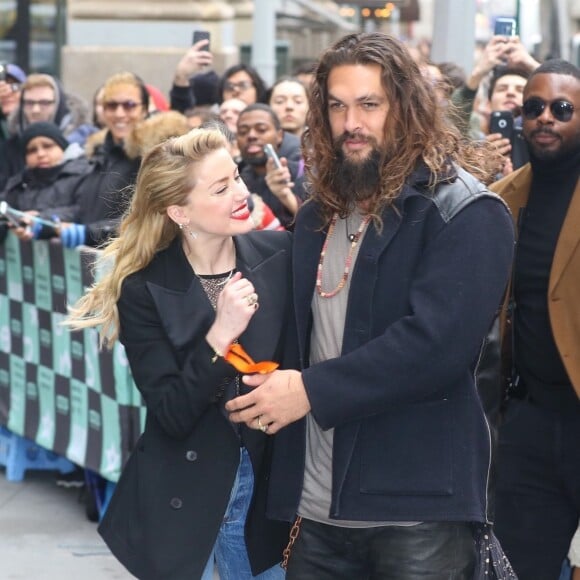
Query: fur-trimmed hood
x,y
145,135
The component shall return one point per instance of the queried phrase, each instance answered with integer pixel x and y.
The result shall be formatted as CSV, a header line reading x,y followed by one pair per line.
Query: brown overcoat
x,y
564,287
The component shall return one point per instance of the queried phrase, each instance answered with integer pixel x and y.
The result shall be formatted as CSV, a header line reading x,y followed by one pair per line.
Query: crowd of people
x,y
416,399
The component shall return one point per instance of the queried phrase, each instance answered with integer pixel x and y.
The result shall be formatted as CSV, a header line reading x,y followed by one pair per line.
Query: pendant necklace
x,y
348,262
350,237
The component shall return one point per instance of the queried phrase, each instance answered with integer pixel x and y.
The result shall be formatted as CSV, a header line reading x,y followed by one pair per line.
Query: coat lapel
x,y
568,240
516,192
179,297
269,277
187,311
305,257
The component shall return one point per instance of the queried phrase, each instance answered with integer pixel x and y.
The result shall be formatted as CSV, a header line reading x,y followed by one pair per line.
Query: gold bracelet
x,y
216,354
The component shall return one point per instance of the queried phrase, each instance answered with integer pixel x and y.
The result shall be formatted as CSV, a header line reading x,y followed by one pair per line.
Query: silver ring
x,y
262,428
252,299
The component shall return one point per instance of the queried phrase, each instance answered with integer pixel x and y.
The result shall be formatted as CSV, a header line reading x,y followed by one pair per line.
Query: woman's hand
x,y
236,305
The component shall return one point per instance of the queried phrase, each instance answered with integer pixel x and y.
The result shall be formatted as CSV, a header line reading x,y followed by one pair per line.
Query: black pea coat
x,y
166,511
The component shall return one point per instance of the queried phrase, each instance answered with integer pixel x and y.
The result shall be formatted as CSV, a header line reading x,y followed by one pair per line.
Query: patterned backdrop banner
x,y
56,387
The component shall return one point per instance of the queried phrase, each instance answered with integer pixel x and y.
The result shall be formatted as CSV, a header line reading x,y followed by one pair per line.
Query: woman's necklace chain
x,y
214,278
213,286
348,262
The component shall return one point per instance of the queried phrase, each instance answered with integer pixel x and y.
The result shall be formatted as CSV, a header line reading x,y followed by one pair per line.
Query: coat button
x,y
191,455
176,503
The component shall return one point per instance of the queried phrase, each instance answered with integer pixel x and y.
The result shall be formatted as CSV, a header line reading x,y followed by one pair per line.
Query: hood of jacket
x,y
71,112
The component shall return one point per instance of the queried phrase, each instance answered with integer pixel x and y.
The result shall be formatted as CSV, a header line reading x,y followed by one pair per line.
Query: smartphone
x,y
520,153
505,27
7,214
502,122
201,35
271,153
16,217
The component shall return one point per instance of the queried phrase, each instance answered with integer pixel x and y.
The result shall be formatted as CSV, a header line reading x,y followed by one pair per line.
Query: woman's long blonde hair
x,y
165,178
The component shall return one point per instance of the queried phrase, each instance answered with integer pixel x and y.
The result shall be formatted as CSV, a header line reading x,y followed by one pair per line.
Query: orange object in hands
x,y
244,363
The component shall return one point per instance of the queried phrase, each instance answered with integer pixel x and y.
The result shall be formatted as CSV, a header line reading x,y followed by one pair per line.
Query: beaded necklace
x,y
348,262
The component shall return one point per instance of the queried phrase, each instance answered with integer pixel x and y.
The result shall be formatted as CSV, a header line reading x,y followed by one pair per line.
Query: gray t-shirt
x,y
326,343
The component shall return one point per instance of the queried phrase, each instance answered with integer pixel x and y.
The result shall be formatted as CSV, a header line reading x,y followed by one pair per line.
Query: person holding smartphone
x,y
196,62
48,186
281,187
473,101
504,126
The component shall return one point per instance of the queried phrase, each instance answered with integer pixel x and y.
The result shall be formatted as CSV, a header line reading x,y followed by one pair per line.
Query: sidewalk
x,y
45,534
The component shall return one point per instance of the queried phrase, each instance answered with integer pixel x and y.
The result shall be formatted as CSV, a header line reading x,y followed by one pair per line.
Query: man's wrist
x,y
181,80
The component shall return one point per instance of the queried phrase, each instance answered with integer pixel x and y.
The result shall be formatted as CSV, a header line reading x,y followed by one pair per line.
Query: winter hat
x,y
15,72
205,88
42,129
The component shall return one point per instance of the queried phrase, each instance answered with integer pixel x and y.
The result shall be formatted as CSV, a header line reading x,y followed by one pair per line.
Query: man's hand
x,y
278,399
519,57
502,145
192,62
494,54
280,183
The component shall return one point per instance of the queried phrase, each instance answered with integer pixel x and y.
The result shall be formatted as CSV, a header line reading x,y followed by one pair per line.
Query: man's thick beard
x,y
357,181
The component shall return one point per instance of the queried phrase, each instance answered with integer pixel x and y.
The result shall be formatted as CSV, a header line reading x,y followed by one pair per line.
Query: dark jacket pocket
x,y
408,451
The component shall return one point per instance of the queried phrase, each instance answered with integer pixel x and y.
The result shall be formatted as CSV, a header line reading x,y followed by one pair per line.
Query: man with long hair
x,y
401,261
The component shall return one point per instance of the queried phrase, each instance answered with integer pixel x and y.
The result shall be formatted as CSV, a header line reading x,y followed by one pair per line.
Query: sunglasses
x,y
127,106
561,110
241,86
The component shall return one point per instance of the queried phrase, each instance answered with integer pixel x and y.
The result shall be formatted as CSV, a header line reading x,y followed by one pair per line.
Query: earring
x,y
190,232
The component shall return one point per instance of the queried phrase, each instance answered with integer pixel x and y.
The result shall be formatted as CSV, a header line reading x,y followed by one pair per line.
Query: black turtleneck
x,y
537,359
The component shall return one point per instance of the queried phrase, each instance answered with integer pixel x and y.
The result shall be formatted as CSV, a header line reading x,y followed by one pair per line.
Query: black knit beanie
x,y
42,129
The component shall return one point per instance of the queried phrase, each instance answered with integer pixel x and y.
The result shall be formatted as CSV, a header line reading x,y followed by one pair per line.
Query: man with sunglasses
x,y
538,469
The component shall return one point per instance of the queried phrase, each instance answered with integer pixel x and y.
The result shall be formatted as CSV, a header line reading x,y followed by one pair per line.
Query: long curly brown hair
x,y
418,127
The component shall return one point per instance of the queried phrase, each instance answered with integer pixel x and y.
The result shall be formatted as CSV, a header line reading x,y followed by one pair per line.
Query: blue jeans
x,y
229,551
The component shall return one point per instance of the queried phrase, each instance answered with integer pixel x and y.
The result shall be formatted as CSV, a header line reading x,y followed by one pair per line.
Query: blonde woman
x,y
102,195
188,280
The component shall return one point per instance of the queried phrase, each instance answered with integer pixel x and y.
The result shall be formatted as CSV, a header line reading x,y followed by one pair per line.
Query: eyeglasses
x,y
42,103
561,110
241,86
127,106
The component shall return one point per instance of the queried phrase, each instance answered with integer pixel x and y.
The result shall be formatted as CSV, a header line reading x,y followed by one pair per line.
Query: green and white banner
x,y
56,387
